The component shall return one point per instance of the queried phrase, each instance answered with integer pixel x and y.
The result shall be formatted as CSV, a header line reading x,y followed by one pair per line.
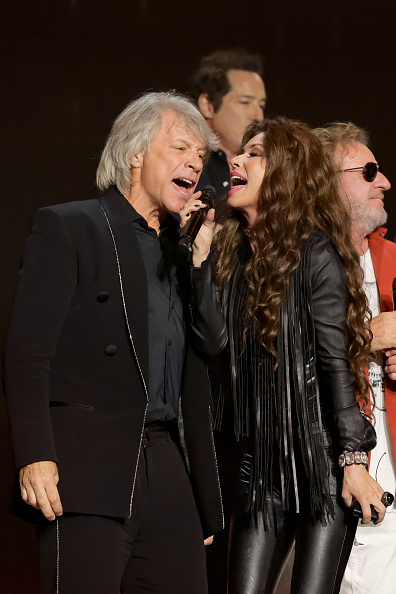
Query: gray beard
x,y
367,222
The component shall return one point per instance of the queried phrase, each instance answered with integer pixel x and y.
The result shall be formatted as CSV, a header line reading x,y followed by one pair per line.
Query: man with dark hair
x,y
362,183
230,93
105,364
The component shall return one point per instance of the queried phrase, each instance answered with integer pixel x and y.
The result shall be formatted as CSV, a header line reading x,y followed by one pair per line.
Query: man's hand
x,y
383,328
390,363
208,541
359,485
38,482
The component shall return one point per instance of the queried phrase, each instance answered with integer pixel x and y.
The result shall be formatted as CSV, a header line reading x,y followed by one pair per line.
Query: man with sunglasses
x,y
363,184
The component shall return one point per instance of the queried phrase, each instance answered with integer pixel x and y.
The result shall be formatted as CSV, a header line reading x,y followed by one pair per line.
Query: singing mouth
x,y
182,182
237,180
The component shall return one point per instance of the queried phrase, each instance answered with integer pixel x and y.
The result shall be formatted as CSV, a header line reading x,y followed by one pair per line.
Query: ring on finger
x,y
387,498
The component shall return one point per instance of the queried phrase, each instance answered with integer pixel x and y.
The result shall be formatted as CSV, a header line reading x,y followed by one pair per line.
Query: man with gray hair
x,y
105,363
363,183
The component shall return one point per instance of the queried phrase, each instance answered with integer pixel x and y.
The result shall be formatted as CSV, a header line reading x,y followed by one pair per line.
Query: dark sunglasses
x,y
369,171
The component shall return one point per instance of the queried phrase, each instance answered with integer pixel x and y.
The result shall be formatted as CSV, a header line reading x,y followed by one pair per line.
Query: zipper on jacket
x,y
214,448
218,476
136,358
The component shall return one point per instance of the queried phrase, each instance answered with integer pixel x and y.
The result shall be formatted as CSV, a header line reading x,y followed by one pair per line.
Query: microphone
x,y
190,231
394,293
387,499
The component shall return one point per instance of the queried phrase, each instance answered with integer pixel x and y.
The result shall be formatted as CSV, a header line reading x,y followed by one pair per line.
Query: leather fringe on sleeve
x,y
280,408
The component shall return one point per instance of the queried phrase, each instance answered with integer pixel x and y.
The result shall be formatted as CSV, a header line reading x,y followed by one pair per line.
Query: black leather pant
x,y
257,556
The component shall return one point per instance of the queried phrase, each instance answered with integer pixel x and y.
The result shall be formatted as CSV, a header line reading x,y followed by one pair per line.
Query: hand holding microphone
x,y
193,216
387,499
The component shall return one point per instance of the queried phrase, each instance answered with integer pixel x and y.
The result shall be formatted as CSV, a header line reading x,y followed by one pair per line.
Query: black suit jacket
x,y
75,378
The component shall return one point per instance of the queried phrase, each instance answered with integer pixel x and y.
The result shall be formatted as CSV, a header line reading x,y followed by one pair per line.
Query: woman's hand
x,y
359,485
203,241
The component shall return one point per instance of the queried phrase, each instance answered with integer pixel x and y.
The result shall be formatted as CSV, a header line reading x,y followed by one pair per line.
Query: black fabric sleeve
x,y
46,285
335,378
207,320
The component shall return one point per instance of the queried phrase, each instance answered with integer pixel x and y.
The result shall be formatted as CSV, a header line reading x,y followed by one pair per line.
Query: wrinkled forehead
x,y
175,126
351,155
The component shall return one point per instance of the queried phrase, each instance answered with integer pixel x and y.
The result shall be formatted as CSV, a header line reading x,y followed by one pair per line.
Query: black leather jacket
x,y
307,411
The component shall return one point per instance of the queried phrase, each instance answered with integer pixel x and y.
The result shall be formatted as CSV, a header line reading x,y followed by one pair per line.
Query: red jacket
x,y
383,253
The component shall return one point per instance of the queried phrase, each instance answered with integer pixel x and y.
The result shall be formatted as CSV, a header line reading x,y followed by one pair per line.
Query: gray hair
x,y
135,129
340,134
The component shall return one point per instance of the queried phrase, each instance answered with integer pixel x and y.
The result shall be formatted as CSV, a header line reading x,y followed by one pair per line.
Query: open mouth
x,y
237,180
184,183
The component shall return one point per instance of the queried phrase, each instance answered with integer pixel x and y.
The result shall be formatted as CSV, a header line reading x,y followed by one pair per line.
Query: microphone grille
x,y
208,196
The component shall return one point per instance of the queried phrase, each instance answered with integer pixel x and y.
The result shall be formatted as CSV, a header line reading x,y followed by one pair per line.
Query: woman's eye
x,y
254,154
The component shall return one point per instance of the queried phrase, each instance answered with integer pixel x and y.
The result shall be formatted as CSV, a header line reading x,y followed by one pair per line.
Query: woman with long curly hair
x,y
291,290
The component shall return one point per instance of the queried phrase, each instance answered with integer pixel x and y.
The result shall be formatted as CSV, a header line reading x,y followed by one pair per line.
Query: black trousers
x,y
258,556
159,549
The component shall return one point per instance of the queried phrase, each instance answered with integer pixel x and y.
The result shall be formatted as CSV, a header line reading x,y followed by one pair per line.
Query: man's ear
x,y
205,106
137,160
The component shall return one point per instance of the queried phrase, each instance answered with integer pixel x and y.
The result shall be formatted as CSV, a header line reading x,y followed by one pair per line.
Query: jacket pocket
x,y
64,403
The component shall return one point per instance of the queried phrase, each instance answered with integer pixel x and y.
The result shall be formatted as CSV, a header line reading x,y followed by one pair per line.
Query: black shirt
x,y
165,316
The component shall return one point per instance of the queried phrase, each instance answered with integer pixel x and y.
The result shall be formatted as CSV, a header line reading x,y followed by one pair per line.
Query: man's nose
x,y
382,181
194,163
257,114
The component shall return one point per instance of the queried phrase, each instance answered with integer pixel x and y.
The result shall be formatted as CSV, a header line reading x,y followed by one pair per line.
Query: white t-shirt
x,y
382,461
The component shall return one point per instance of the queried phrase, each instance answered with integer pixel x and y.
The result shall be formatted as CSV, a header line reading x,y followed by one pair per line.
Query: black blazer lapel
x,y
133,273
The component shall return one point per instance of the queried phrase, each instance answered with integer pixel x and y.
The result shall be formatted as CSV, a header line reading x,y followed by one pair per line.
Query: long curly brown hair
x,y
299,194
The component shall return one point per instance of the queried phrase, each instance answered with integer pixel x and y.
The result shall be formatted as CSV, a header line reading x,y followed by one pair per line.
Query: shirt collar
x,y
170,223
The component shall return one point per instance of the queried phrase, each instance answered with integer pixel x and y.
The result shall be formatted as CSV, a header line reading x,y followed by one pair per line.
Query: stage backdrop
x,y
70,66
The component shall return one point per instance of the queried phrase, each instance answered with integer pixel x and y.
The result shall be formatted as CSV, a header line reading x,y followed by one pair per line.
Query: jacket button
x,y
102,297
111,350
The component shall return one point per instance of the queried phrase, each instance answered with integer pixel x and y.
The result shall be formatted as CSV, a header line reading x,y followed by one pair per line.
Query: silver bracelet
x,y
348,458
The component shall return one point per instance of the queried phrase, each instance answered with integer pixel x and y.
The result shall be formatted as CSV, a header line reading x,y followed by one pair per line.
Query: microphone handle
x,y
394,293
357,511
187,238
189,233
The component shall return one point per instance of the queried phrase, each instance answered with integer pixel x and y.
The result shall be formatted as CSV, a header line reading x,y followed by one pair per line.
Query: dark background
x,y
70,66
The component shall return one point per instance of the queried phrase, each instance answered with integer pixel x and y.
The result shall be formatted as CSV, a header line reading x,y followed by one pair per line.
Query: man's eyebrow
x,y
264,99
183,140
189,143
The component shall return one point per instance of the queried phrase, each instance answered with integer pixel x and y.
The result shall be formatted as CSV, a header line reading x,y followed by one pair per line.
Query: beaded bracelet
x,y
348,458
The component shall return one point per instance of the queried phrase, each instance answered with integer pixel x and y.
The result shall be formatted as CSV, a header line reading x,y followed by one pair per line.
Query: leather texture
x,y
257,556
311,398
321,390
